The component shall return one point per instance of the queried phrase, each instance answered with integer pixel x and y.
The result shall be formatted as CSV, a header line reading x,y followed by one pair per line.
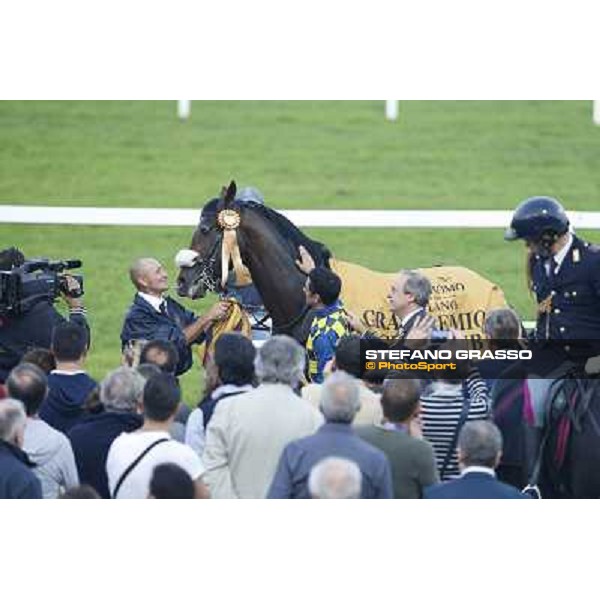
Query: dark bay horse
x,y
268,244
571,447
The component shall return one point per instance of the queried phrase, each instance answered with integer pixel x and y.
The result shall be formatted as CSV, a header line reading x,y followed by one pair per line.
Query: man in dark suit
x,y
121,397
17,479
408,297
564,274
155,316
479,452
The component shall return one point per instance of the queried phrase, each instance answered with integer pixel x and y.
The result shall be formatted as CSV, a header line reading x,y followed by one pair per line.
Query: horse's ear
x,y
230,192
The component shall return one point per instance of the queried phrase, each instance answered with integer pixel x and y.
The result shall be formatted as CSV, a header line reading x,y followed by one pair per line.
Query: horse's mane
x,y
291,237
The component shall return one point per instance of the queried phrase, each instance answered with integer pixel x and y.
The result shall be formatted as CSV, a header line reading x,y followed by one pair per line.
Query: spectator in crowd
x,y
449,401
322,291
17,480
248,432
339,404
171,482
133,456
42,358
155,316
48,448
479,451
412,459
335,478
233,360
347,360
164,355
69,384
33,327
161,353
177,429
81,492
502,328
121,398
148,370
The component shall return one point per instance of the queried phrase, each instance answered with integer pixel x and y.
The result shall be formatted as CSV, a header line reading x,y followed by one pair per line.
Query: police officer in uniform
x,y
564,275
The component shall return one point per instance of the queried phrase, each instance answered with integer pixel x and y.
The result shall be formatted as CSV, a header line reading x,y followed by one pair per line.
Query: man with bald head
x,y
156,316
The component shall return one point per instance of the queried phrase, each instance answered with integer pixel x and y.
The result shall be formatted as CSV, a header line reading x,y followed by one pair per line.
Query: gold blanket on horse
x,y
460,298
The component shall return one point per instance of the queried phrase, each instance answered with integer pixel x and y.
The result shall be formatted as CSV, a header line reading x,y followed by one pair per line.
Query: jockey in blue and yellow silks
x,y
322,291
328,327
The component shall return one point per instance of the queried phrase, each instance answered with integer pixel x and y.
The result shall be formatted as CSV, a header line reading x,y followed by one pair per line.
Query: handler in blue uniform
x,y
564,275
155,316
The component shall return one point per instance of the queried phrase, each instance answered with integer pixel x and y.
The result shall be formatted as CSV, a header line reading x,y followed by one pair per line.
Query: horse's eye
x,y
205,228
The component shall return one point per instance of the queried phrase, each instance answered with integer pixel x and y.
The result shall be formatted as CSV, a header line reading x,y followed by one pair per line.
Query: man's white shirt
x,y
128,446
410,315
154,301
560,256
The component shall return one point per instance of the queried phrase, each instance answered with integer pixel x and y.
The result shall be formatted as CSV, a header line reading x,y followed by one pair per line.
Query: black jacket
x,y
16,477
32,329
144,322
476,486
91,440
574,313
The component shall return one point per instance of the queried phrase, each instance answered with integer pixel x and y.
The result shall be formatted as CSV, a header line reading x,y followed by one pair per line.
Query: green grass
x,y
301,155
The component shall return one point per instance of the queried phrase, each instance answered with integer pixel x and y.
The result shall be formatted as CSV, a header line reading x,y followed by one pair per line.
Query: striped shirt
x,y
441,406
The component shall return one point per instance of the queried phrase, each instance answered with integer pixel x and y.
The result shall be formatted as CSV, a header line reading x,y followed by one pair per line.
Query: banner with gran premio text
x,y
460,298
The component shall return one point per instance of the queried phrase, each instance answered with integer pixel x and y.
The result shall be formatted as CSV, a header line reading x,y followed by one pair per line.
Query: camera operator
x,y
33,328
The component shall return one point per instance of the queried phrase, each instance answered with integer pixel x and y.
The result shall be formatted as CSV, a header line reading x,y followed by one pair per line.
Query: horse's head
x,y
200,265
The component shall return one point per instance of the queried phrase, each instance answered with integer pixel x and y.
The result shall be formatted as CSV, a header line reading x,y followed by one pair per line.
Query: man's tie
x,y
552,266
163,308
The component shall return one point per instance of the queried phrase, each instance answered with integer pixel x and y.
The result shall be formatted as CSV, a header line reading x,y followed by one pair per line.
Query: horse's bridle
x,y
208,278
207,272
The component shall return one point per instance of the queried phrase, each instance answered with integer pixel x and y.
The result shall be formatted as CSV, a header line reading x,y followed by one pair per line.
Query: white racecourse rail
x,y
78,215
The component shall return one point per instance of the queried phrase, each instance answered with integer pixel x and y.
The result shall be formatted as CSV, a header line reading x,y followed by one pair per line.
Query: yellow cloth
x,y
460,298
236,321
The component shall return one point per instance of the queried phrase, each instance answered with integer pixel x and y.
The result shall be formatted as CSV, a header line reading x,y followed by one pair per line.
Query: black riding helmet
x,y
535,217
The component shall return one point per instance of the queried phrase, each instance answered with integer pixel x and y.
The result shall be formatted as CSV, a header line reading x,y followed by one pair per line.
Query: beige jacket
x,y
370,412
246,436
